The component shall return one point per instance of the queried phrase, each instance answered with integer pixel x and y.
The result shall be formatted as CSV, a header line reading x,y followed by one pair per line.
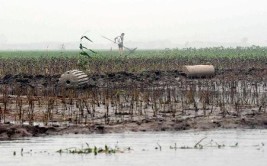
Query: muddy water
x,y
251,149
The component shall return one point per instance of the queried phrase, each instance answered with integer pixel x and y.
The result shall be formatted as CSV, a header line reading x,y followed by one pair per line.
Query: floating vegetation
x,y
198,145
158,147
29,152
93,150
259,146
201,144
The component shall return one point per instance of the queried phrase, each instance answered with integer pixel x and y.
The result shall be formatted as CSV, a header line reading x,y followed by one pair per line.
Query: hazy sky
x,y
28,21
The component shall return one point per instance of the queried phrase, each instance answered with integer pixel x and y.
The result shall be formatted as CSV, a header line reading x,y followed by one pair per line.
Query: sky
x,y
175,21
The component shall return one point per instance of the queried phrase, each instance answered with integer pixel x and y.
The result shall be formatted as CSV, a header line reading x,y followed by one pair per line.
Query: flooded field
x,y
117,98
131,94
218,147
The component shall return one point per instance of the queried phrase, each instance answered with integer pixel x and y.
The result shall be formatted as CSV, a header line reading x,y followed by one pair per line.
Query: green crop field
x,y
239,52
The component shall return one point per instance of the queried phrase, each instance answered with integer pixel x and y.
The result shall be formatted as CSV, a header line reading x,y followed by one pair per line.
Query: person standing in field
x,y
119,41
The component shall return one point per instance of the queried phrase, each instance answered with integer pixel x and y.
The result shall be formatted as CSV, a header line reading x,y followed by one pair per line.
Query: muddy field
x,y
126,79
118,102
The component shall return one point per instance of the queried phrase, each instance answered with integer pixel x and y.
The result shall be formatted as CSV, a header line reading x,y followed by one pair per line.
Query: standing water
x,y
220,148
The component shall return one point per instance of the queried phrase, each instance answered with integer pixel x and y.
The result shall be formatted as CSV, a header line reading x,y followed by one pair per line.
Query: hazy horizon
x,y
179,23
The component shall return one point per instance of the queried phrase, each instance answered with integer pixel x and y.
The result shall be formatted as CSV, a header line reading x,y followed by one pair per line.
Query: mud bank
x,y
258,121
145,78
95,80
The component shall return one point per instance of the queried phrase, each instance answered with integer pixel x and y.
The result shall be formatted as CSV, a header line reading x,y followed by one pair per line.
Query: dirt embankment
x,y
257,121
95,80
146,78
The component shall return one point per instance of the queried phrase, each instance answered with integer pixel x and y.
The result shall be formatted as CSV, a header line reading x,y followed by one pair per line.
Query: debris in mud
x,y
73,79
199,71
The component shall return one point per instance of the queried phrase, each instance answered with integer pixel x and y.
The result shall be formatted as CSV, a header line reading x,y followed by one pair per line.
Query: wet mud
x,y
259,121
144,79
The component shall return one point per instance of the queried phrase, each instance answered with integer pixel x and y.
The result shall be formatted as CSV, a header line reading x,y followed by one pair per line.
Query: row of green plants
x,y
213,52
